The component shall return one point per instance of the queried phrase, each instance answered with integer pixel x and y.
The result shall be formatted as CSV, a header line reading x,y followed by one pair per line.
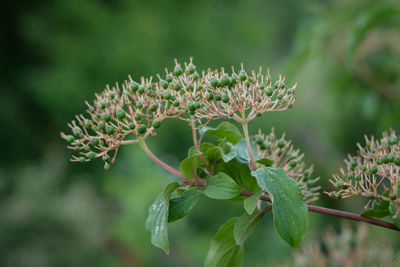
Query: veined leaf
x,y
240,172
266,161
222,186
189,166
182,205
244,227
290,212
250,203
224,130
157,220
379,209
223,251
242,152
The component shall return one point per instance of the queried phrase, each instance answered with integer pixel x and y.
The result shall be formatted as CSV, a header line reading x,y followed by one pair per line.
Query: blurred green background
x,y
345,56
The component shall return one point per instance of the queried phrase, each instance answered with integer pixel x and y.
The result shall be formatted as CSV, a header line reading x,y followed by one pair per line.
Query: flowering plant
x,y
263,171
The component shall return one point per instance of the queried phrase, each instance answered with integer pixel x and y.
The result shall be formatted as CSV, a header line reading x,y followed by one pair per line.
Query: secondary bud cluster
x,y
284,155
374,173
129,113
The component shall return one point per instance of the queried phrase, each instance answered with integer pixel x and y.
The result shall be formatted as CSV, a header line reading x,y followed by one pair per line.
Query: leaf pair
x,y
226,248
165,210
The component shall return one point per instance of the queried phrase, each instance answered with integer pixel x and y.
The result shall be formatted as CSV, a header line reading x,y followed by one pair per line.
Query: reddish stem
x,y
338,213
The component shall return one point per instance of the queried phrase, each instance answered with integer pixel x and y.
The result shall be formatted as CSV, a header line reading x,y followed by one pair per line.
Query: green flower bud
x,y
214,82
164,84
138,117
103,103
177,87
121,114
242,75
191,68
197,105
82,159
269,92
225,99
397,161
373,169
70,139
141,89
178,71
166,95
134,86
391,158
195,76
91,155
156,124
234,78
259,140
142,129
281,143
95,141
292,163
225,81
153,108
175,103
168,78
139,105
88,124
191,106
393,140
110,130
77,131
217,98
132,126
106,117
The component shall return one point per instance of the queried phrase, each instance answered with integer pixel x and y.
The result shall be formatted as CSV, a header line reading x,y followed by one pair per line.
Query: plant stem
x,y
247,138
338,213
158,161
197,146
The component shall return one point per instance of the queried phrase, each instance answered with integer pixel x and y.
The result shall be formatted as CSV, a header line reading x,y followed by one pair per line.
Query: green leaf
x,y
222,186
379,209
242,152
290,212
266,161
224,130
189,166
244,227
240,172
250,203
392,210
223,251
182,205
157,220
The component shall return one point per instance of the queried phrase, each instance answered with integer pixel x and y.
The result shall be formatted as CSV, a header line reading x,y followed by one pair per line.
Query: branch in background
x,y
338,213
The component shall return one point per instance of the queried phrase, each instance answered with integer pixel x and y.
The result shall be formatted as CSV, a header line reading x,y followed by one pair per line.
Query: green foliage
x,y
157,220
250,203
189,165
224,251
290,213
183,204
244,226
222,186
224,130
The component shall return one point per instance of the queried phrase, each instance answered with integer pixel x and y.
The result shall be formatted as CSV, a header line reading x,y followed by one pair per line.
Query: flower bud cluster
x,y
129,113
242,96
284,155
374,173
